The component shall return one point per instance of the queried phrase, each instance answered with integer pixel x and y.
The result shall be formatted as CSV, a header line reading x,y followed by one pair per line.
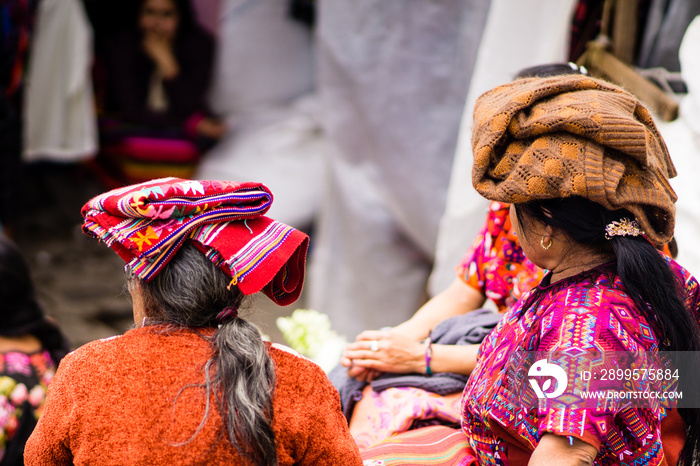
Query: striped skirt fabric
x,y
434,445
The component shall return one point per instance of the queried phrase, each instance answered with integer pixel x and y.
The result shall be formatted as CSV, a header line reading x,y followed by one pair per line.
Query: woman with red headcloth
x,y
193,383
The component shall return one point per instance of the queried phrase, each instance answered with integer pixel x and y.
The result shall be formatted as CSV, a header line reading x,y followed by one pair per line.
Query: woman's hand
x,y
159,48
396,353
211,128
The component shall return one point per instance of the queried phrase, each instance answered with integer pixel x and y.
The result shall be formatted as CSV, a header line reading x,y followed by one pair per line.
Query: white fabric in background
x,y
263,82
682,137
59,110
517,35
264,58
283,148
393,76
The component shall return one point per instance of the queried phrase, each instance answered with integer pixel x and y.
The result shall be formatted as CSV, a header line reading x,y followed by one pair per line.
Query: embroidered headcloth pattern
x,y
147,223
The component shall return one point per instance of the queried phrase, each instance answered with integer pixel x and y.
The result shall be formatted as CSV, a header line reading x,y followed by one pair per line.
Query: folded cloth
x,y
380,415
435,445
573,135
147,223
467,329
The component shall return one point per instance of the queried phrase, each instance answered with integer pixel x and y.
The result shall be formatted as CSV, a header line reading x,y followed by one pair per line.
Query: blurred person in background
x,y
31,346
157,74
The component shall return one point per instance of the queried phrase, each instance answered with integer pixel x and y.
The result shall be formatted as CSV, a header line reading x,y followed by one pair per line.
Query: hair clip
x,y
578,68
623,227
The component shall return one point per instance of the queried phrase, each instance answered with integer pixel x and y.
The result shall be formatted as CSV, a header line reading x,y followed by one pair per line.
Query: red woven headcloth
x,y
147,223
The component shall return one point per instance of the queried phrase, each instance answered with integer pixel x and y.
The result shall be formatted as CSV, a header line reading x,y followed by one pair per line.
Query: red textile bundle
x,y
147,223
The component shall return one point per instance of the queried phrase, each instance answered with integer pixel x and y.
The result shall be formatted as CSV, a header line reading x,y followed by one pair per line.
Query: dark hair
x,y
186,15
551,69
645,274
190,291
22,314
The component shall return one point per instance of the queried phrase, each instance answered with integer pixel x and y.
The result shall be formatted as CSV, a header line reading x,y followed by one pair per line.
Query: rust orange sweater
x,y
134,399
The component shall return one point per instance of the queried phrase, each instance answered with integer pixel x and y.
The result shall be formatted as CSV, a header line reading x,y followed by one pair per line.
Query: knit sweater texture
x,y
138,399
549,138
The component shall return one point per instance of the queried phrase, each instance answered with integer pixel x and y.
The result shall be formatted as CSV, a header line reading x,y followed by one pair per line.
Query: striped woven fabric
x,y
435,445
147,223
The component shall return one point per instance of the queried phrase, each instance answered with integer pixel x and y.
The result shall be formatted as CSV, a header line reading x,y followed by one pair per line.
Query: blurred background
x,y
357,114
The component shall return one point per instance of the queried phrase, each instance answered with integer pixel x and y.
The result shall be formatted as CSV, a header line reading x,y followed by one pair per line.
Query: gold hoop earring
x,y
548,246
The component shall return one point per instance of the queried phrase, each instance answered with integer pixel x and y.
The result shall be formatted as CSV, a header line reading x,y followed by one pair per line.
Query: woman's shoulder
x,y
308,417
89,350
297,375
689,287
599,291
140,344
498,219
681,272
289,361
606,280
603,277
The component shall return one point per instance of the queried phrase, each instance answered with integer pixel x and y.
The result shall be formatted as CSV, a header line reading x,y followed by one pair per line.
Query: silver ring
x,y
374,345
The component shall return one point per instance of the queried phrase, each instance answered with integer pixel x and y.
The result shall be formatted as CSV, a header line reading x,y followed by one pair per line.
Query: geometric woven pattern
x,y
584,313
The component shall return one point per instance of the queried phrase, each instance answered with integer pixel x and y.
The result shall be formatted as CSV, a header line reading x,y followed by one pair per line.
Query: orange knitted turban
x,y
544,138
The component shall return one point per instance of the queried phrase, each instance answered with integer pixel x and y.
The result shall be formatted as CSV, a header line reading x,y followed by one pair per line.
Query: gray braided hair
x,y
190,291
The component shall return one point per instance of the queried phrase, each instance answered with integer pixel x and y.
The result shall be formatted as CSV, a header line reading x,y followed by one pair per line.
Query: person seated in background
x,y
157,74
494,268
193,383
31,346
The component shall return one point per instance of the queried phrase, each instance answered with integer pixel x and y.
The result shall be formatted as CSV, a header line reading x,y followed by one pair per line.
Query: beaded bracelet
x,y
428,356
